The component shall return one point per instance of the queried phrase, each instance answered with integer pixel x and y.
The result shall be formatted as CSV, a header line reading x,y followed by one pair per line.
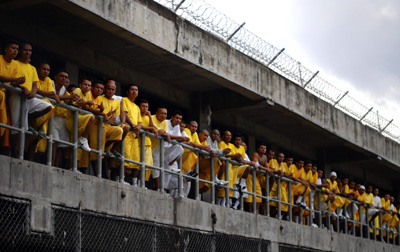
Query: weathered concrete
x,y
45,186
218,61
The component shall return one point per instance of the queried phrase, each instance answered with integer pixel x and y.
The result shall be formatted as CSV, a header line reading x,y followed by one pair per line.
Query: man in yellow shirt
x,y
85,122
35,108
46,89
225,144
111,134
134,120
59,129
279,168
147,124
240,172
189,158
10,74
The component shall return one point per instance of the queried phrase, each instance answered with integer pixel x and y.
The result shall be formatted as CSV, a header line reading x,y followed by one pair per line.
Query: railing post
x,y
360,222
319,209
122,162
100,148
143,159
254,194
75,140
290,200
227,186
380,226
353,226
50,141
162,174
279,197
22,121
180,178
267,194
212,171
197,177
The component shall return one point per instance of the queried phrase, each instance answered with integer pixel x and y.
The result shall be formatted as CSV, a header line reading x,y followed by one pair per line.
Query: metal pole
x,y
142,159
319,209
180,178
75,140
22,126
212,170
275,57
100,149
50,141
267,193
162,165
290,200
197,177
340,98
301,79
366,114
308,82
361,226
386,126
122,162
227,186
179,5
233,34
279,197
254,178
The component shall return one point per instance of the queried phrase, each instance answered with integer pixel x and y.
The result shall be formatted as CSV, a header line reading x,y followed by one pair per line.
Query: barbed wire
x,y
211,20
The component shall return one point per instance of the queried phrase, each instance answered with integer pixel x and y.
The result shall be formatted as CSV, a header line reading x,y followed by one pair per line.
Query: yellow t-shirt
x,y
11,69
95,100
273,164
146,123
86,97
333,185
194,138
45,85
369,198
385,204
239,150
109,105
347,189
296,173
159,125
61,112
132,111
310,177
222,146
30,74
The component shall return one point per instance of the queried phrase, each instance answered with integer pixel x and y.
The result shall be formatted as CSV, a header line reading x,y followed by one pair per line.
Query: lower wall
x,y
46,187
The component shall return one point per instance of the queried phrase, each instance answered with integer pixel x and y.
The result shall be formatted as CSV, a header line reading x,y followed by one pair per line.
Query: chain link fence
x,y
75,230
211,20
289,248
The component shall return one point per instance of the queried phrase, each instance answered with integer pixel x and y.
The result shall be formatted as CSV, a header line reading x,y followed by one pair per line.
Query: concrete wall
x,y
44,186
216,60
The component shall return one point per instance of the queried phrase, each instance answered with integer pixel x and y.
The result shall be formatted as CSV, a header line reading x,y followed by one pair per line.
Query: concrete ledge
x,y
45,186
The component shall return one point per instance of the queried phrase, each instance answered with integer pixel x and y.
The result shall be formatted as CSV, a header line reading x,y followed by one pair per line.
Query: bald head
x,y
203,135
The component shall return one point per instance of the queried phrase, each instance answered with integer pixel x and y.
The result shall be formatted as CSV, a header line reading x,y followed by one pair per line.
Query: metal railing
x,y
211,20
321,215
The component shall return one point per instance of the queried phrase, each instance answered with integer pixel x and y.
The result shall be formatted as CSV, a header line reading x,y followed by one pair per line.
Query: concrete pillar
x,y
73,71
251,145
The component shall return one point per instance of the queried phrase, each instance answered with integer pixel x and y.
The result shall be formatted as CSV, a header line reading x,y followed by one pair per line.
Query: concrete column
x,y
251,145
73,71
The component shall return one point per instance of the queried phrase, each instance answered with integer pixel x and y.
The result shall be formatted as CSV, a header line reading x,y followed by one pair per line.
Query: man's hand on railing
x,y
226,151
18,81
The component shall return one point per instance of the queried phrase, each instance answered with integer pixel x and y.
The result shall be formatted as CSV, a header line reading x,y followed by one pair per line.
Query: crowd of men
x,y
124,117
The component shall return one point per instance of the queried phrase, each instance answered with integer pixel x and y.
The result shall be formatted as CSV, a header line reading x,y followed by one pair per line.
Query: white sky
x,y
355,44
